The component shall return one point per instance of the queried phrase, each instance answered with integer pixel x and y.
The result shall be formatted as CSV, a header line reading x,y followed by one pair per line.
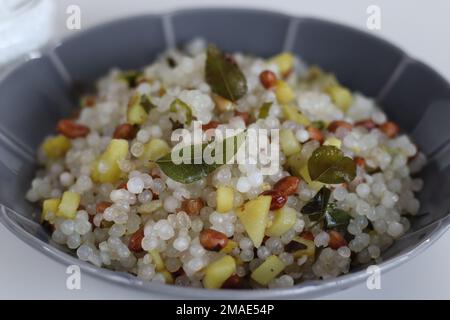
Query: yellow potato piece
x,y
310,248
56,147
341,97
136,113
285,62
157,260
254,217
290,112
116,151
304,173
289,144
267,271
218,272
229,247
69,204
155,149
284,92
332,141
224,199
167,276
49,205
284,219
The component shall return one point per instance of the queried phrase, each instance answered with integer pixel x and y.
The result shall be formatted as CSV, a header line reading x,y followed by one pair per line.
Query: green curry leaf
x,y
328,164
224,76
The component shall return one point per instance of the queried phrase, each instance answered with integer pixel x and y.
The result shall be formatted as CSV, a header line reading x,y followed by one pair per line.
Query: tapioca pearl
x,y
84,252
245,244
67,227
135,185
362,207
287,258
137,149
339,193
322,239
379,117
181,243
143,136
363,190
344,252
389,199
171,204
263,252
395,229
66,179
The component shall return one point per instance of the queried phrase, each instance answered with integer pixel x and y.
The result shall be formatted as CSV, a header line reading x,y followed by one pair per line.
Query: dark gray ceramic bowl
x,y
36,94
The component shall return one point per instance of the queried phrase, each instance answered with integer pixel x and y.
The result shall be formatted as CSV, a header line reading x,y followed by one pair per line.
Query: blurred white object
x,y
25,25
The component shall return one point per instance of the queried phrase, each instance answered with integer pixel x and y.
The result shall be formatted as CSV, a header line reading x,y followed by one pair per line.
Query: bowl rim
x,y
307,289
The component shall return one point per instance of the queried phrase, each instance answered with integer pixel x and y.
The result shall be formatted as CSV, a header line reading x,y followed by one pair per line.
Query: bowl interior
x,y
42,90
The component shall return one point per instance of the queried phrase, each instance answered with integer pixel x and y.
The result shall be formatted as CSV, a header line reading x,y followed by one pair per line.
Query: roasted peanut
x,y
233,282
268,79
360,162
125,131
390,129
192,206
287,185
244,115
213,240
210,125
368,124
278,199
315,134
333,126
336,240
307,235
72,130
135,241
101,206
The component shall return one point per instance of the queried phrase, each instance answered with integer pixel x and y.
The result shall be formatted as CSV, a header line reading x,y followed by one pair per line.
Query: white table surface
x,y
420,27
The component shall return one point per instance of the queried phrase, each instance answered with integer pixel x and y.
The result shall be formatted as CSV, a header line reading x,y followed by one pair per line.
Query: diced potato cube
x,y
285,62
333,141
222,104
267,271
284,92
167,276
340,96
69,204
304,173
309,250
218,272
49,205
229,247
224,199
155,149
254,217
116,151
291,112
56,147
136,113
289,143
298,166
157,260
284,219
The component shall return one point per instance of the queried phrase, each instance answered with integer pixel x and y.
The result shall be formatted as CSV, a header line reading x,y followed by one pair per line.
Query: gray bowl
x,y
37,93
